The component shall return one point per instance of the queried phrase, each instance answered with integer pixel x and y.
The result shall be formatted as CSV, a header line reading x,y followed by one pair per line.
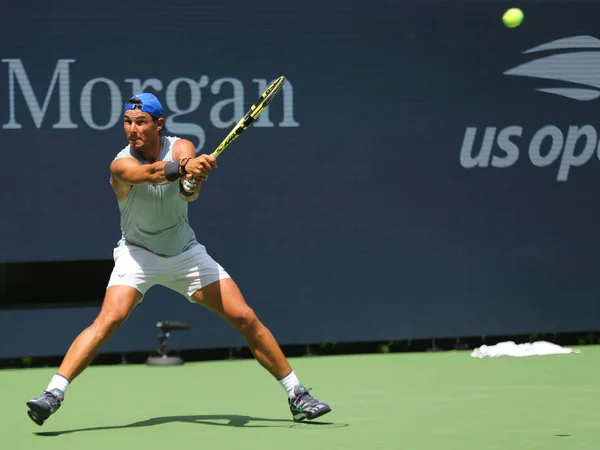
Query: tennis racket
x,y
255,110
242,125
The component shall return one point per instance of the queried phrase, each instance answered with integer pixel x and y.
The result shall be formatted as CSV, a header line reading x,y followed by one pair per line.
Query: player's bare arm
x,y
126,172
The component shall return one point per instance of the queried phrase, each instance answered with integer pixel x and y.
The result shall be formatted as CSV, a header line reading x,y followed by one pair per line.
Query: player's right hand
x,y
201,165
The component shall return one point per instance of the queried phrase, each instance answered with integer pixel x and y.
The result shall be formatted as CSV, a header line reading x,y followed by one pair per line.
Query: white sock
x,y
58,382
289,382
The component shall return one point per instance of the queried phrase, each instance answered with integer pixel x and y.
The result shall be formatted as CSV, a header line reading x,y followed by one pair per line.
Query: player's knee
x,y
246,319
110,321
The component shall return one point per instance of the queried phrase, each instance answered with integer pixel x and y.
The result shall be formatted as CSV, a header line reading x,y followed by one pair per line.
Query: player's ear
x,y
160,123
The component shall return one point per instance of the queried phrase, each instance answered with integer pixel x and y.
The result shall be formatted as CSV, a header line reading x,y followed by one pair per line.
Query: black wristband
x,y
184,192
172,170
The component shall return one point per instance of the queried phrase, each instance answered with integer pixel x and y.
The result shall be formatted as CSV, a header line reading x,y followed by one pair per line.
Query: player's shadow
x,y
224,420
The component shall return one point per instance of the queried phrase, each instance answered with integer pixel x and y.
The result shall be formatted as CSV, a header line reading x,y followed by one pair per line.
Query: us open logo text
x,y
574,65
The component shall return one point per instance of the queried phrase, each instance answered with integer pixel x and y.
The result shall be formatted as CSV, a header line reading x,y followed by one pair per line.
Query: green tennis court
x,y
445,400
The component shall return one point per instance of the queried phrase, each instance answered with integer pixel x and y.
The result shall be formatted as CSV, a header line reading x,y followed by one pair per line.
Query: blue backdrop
x,y
426,173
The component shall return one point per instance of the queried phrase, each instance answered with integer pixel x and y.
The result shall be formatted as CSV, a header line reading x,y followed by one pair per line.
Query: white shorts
x,y
184,273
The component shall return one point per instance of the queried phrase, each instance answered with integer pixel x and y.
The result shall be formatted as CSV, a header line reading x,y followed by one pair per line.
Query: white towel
x,y
509,348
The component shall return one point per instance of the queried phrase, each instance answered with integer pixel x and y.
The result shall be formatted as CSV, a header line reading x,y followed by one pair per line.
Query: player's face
x,y
140,128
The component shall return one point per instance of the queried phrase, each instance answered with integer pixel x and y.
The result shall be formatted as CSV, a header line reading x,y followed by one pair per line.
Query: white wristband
x,y
188,185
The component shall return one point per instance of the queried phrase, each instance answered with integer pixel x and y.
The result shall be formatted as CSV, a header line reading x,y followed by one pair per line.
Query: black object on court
x,y
163,359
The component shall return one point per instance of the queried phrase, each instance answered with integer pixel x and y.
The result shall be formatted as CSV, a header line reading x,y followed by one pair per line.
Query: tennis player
x,y
158,246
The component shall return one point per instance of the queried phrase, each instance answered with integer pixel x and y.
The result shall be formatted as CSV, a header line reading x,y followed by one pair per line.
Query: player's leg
x,y
225,299
118,303
202,280
133,274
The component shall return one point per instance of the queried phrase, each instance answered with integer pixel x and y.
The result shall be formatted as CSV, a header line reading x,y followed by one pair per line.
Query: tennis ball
x,y
513,17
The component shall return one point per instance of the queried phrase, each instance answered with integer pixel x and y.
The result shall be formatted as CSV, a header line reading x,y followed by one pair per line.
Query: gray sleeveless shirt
x,y
155,217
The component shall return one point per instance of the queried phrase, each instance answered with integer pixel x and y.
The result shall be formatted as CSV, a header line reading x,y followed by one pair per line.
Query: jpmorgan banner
x,y
19,80
426,171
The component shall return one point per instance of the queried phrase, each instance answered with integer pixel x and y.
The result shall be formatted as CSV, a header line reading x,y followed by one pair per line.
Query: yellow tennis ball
x,y
513,17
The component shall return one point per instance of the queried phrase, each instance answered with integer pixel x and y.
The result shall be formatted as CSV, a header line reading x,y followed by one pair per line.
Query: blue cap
x,y
145,102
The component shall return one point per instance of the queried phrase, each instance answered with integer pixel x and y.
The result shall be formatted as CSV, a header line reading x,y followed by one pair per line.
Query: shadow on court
x,y
214,420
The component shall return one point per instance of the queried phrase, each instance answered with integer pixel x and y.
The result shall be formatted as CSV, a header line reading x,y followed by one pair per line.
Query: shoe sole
x,y
299,417
302,416
37,413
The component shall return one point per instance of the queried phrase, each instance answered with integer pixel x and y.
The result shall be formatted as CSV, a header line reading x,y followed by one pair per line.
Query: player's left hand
x,y
201,165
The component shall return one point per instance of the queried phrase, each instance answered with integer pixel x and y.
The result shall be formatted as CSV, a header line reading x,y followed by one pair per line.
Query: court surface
x,y
407,401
